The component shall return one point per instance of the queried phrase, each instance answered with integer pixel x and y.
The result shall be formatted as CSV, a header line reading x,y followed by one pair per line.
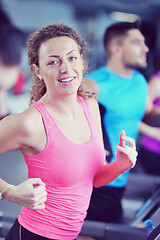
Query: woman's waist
x,y
58,215
53,225
71,200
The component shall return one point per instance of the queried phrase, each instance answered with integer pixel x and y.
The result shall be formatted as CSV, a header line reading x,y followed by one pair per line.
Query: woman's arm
x,y
126,155
12,132
126,159
24,131
15,133
31,193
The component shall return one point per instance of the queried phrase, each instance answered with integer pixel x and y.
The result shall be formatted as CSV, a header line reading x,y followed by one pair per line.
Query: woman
x,y
61,140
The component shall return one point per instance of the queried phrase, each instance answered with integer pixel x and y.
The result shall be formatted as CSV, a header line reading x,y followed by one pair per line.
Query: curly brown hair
x,y
38,87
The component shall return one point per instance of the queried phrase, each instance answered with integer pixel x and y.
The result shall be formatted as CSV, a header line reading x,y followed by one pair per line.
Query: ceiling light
x,y
124,17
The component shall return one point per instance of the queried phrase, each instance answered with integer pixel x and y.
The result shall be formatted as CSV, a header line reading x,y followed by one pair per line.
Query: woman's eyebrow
x,y
57,56
70,52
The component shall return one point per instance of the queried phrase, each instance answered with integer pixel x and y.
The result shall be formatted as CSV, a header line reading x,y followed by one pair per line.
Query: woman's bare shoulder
x,y
93,86
92,102
30,119
22,123
17,129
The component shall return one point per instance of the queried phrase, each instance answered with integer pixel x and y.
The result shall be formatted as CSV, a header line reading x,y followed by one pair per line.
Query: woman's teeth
x,y
66,79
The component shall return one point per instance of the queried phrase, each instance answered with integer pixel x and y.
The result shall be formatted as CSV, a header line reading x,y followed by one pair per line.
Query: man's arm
x,y
150,131
152,117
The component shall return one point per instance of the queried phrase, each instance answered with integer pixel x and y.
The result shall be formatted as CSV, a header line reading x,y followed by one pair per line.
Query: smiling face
x,y
60,66
134,50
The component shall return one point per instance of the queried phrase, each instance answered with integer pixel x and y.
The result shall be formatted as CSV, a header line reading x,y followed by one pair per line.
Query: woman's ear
x,y
36,70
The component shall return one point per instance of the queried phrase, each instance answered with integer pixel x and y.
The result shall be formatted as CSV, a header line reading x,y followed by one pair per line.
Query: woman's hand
x,y
126,154
126,159
30,194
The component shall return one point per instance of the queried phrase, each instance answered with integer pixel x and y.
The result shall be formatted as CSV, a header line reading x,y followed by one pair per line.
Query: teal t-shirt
x,y
125,101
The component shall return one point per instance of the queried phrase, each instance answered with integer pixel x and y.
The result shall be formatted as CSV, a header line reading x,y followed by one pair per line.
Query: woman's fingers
x,y
38,196
40,191
35,182
126,154
121,138
130,152
39,204
124,138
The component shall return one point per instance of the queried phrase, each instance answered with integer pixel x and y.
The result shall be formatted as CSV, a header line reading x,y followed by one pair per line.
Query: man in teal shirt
x,y
123,95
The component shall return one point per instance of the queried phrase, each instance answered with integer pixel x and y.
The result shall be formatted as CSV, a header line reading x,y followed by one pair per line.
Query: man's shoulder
x,y
139,74
139,78
99,74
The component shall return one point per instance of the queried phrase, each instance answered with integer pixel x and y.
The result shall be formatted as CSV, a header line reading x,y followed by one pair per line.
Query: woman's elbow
x,y
97,183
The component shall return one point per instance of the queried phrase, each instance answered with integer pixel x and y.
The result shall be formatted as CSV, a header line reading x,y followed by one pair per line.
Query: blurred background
x,y
90,18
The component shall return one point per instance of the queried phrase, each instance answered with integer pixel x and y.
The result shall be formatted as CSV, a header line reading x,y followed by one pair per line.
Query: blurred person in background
x,y
122,93
10,59
61,140
149,146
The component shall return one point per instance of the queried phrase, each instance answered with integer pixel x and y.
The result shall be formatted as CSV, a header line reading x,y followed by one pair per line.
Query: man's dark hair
x,y
118,30
10,46
10,41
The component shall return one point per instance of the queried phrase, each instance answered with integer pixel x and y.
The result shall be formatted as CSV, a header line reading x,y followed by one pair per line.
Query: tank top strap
x,y
46,118
37,105
83,103
41,108
88,114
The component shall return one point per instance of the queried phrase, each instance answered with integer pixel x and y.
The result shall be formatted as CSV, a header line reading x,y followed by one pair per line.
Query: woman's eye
x,y
53,63
73,58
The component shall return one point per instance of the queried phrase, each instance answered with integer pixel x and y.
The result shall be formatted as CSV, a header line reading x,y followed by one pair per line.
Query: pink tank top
x,y
68,170
148,142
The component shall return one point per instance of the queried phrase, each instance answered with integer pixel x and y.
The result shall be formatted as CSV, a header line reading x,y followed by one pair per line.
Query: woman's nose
x,y
63,67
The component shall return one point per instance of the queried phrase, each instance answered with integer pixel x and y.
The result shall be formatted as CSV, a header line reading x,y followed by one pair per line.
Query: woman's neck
x,y
64,105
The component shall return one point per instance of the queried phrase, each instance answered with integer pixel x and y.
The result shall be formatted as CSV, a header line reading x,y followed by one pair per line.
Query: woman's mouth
x,y
66,80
